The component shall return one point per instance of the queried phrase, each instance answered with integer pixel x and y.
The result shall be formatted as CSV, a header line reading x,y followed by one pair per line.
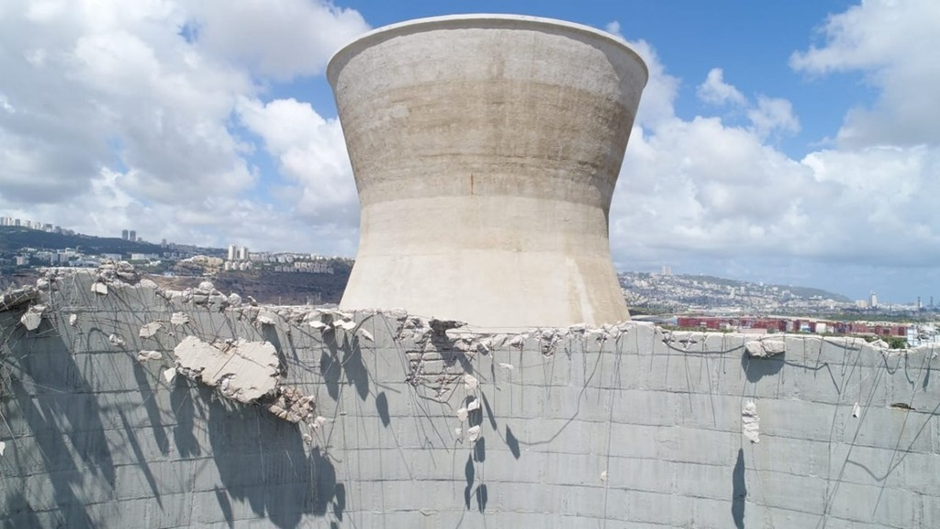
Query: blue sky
x,y
785,142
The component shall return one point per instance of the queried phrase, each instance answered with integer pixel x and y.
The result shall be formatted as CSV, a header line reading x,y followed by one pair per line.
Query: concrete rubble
x,y
765,347
750,422
15,298
33,317
345,393
244,371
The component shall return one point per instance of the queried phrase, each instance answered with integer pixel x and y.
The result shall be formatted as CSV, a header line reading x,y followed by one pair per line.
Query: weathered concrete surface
x,y
422,426
485,150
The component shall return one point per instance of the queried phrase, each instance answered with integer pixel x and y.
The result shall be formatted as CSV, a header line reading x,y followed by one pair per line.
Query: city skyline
x,y
793,144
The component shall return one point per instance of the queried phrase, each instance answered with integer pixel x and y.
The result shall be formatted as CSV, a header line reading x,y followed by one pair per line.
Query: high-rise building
x,y
872,300
231,252
124,234
242,254
132,236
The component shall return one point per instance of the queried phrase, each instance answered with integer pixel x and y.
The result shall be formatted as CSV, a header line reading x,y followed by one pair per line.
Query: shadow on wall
x,y
52,399
43,389
261,460
757,368
333,365
738,491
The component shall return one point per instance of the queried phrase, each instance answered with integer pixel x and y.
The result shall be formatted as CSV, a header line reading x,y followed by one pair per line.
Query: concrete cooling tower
x,y
485,150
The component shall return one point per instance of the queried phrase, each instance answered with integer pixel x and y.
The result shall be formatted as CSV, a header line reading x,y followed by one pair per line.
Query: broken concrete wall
x,y
390,420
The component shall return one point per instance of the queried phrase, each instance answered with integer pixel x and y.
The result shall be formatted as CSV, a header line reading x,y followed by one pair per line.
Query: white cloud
x,y
311,152
280,39
113,116
704,190
716,92
894,45
773,115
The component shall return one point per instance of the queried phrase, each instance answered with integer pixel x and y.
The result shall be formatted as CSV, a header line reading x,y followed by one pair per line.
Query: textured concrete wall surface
x,y
485,150
116,412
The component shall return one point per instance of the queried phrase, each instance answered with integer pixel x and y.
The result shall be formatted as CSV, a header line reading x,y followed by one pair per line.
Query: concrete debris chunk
x,y
144,356
750,422
179,318
856,410
169,375
604,476
73,320
473,405
318,325
473,433
318,422
292,405
518,341
18,297
347,325
442,326
3,447
234,299
244,371
100,289
267,318
470,382
149,330
765,348
506,366
462,414
366,335
206,286
458,432
33,317
116,340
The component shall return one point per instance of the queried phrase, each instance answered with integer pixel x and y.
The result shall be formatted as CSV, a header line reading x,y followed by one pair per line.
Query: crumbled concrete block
x,y
318,422
99,288
462,414
18,297
764,348
169,375
470,382
33,317
604,476
116,340
750,422
267,318
243,371
856,410
473,405
73,320
3,447
366,335
179,318
504,365
144,356
473,433
150,330
234,299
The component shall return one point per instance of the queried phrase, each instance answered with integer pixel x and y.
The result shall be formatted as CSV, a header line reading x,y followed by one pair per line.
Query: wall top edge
x,y
482,21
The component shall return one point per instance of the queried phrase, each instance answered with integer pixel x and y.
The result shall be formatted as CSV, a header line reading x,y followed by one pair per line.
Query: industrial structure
x,y
485,151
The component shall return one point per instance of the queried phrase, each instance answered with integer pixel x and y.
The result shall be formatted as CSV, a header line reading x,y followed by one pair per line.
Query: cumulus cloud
x,y
279,39
773,115
311,152
121,114
716,92
708,191
893,44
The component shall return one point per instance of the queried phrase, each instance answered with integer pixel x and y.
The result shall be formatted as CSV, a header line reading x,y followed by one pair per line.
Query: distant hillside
x,y
801,292
283,288
12,238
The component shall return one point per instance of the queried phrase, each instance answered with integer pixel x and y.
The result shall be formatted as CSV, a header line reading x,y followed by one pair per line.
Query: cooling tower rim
x,y
468,21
